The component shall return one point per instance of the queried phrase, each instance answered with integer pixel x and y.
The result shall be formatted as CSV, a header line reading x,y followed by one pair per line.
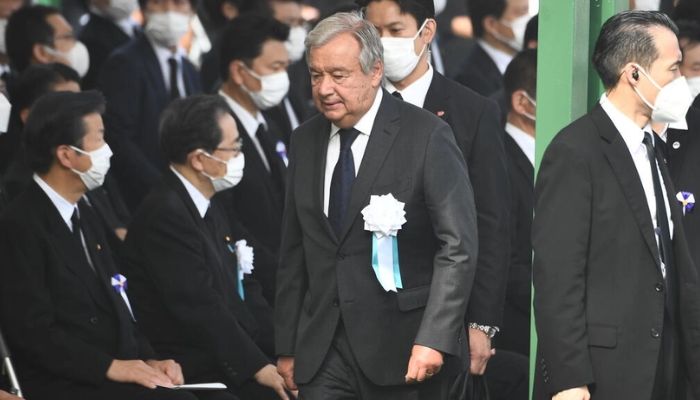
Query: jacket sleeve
x,y
450,203
561,229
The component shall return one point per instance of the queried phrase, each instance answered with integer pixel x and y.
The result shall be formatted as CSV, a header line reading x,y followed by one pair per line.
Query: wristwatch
x,y
490,331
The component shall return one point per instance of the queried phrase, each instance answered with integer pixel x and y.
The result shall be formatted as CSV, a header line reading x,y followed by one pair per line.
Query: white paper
x,y
201,386
5,109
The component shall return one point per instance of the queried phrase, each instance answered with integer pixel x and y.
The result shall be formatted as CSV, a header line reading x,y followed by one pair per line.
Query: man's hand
x,y
285,367
268,376
137,371
6,396
580,393
479,351
170,368
424,364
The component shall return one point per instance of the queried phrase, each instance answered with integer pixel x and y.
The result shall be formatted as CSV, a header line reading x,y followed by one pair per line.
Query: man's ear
x,y
194,160
64,156
40,54
429,30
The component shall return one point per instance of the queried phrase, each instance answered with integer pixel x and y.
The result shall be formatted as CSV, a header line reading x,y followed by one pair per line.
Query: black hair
x,y
521,74
191,123
480,9
193,4
57,119
688,32
243,39
531,30
26,27
420,10
37,80
688,10
217,20
625,38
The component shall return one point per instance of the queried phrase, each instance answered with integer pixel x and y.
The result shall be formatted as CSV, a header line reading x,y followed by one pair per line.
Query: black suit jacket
x,y
323,278
599,292
477,130
515,333
257,202
684,165
101,36
132,82
62,321
480,73
184,285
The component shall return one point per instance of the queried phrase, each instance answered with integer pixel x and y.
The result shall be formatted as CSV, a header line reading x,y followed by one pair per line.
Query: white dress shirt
x,y
499,57
415,92
364,126
163,54
250,123
200,202
633,136
127,25
524,141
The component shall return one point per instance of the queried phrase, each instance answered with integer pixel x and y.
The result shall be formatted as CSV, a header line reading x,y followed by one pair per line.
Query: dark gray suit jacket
x,y
599,292
323,278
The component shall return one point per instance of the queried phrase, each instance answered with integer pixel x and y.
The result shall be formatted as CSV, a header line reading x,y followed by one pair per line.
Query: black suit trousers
x,y
340,378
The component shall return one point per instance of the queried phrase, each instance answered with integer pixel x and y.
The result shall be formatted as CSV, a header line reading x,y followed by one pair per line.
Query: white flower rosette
x,y
245,256
384,217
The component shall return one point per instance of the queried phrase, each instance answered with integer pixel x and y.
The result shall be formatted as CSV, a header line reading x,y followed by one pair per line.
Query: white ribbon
x,y
384,217
245,256
119,284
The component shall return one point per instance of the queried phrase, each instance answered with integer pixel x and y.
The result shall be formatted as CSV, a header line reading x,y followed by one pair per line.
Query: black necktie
x,y
174,90
343,178
75,220
662,230
267,146
397,94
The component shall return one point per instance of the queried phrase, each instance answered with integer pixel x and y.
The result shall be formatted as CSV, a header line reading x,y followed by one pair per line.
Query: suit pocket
x,y
413,298
602,336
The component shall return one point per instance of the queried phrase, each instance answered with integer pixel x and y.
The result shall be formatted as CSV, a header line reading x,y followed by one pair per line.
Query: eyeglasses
x,y
236,149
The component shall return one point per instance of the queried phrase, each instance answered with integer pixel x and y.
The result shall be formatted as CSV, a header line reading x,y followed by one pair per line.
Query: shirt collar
x,y
499,57
524,141
630,132
201,202
366,123
127,25
249,121
416,92
65,208
164,54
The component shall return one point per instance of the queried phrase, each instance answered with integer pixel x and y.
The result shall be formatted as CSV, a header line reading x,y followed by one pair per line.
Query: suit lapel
x,y
152,67
438,97
321,150
384,131
620,160
677,156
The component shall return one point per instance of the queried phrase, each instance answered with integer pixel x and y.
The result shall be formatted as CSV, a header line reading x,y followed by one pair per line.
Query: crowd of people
x,y
334,200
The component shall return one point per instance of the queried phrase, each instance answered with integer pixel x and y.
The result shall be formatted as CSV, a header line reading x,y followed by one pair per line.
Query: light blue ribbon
x,y
390,262
239,275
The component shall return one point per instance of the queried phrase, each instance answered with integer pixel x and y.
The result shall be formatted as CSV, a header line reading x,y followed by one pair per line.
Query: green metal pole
x,y
567,84
52,3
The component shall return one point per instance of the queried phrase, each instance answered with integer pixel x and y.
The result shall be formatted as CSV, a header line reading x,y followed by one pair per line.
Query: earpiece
x,y
635,75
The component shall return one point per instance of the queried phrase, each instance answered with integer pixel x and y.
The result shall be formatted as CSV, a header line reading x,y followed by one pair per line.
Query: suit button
x,y
94,320
659,287
655,333
546,379
340,256
336,303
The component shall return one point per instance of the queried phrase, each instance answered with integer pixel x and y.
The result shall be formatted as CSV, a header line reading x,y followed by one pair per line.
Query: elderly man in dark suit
x,y
617,301
474,122
189,271
64,307
379,239
139,80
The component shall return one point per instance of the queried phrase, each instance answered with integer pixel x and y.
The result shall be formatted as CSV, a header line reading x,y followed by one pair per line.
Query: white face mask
x,y
439,6
534,104
273,89
295,43
400,58
166,28
77,57
94,177
3,25
118,10
518,26
233,175
672,102
694,84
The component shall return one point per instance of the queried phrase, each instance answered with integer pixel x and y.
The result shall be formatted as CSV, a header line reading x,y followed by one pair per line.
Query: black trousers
x,y
340,378
507,376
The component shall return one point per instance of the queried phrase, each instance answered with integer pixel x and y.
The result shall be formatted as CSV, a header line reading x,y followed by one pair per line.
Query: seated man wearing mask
x,y
139,80
64,308
254,73
189,270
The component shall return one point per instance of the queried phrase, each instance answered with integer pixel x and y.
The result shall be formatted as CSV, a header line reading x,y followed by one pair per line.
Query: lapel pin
x,y
687,200
440,113
676,145
99,247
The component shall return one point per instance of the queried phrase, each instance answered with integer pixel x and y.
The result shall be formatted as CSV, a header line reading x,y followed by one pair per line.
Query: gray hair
x,y
365,33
